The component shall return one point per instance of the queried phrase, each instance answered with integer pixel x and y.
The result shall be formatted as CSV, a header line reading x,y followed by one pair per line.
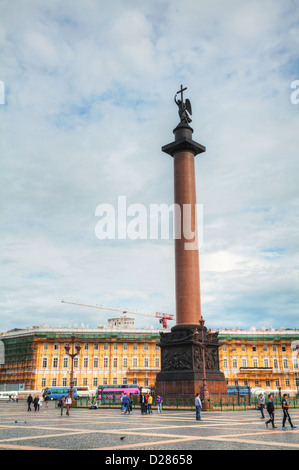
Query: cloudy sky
x,y
89,89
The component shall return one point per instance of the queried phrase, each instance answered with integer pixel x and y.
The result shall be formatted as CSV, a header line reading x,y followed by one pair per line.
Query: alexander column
x,y
189,353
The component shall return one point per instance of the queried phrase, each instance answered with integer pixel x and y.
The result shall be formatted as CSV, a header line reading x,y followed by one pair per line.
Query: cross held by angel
x,y
184,107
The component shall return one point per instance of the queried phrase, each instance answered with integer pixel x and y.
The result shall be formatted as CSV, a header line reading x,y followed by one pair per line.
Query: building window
x,y
85,361
64,382
295,363
115,345
75,382
85,346
115,362
106,346
234,348
246,382
135,361
125,380
146,362
285,362
106,362
157,361
283,348
254,348
55,362
157,348
145,346
268,383
76,362
224,347
114,381
146,382
274,347
125,362
46,346
255,362
266,362
54,382
243,348
125,346
95,362
95,382
56,346
287,382
257,382
65,362
225,363
275,363
135,382
96,346
44,382
85,382
244,362
135,346
265,348
45,363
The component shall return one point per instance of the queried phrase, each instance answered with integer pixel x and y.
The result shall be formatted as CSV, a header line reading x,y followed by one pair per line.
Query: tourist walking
x,y
46,400
261,405
126,402
29,401
286,416
146,403
198,407
61,404
159,404
142,404
68,403
270,409
36,403
149,404
131,402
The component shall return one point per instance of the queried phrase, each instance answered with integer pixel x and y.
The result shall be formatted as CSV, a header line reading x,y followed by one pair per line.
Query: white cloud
x,y
89,103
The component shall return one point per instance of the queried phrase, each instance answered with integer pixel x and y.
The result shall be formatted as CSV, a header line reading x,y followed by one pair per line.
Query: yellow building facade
x,y
266,359
118,353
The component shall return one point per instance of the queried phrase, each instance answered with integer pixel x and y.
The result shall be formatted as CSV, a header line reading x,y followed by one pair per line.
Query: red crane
x,y
163,316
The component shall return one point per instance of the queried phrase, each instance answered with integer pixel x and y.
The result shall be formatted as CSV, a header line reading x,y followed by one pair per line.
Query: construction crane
x,y
163,316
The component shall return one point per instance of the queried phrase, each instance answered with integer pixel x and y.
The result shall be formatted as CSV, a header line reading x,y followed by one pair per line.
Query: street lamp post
x,y
204,390
72,355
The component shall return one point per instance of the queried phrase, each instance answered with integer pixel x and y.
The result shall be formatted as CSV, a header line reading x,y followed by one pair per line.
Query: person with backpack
x,y
61,404
126,403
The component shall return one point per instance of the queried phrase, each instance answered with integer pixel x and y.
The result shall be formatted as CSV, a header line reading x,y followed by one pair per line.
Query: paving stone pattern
x,y
110,430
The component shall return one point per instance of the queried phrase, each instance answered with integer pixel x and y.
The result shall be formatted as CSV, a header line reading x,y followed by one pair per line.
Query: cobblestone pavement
x,y
110,430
